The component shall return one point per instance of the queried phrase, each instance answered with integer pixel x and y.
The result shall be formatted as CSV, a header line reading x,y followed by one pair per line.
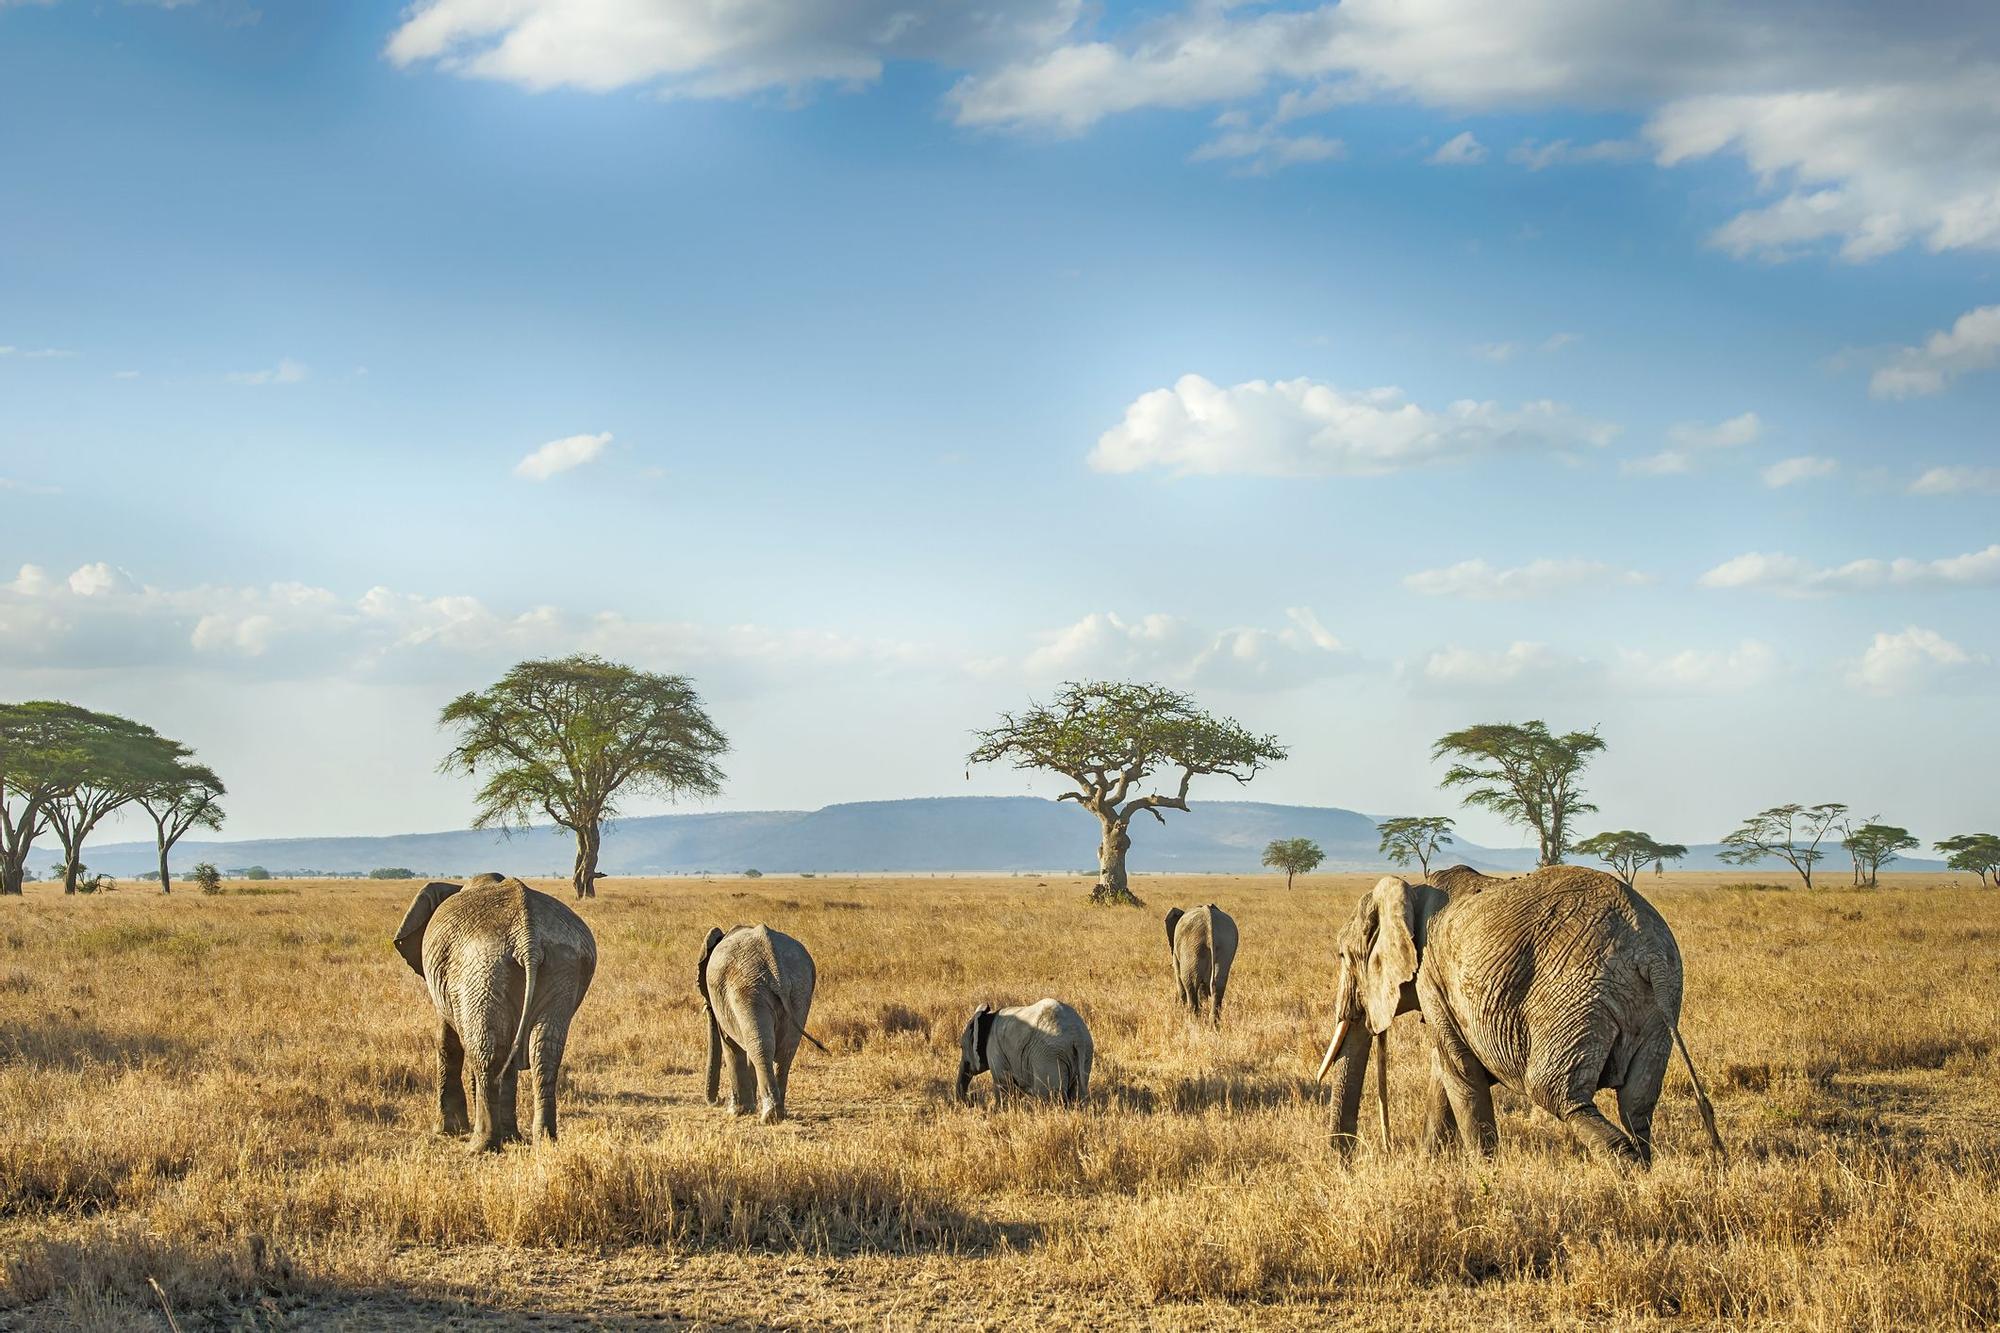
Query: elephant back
x,y
1554,925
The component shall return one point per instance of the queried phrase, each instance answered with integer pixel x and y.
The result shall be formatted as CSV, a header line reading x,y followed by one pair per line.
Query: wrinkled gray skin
x,y
1555,984
506,967
1040,1050
1203,942
758,986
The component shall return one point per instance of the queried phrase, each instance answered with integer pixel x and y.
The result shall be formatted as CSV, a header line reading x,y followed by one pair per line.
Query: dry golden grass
x,y
231,1096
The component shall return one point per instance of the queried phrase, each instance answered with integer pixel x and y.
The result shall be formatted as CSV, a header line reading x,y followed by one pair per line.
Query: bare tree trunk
x,y
1113,889
588,840
12,865
166,880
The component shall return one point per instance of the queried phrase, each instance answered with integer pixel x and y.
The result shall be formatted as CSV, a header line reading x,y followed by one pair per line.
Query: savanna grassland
x,y
231,1096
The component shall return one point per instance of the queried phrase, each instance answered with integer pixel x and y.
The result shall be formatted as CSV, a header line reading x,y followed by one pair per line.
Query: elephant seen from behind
x,y
757,986
1041,1050
506,967
1203,944
1556,984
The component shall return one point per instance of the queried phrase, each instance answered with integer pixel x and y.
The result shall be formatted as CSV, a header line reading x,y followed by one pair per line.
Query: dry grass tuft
x,y
231,1096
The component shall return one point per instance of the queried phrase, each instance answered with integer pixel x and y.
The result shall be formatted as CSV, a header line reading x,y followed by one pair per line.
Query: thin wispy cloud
x,y
1971,344
1796,577
287,371
1962,480
564,455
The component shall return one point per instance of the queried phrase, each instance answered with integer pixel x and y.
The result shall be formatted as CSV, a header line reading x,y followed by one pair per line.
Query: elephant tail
x,y
531,963
1701,1101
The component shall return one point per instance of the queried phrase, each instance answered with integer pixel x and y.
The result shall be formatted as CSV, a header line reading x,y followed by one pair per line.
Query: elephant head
x,y
972,1044
1380,948
410,935
714,1029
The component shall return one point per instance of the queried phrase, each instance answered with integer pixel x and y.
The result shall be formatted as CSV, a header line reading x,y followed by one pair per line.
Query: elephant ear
x,y
1173,919
410,935
1392,959
982,1033
701,968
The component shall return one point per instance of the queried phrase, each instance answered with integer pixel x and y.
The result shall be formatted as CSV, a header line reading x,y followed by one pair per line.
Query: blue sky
x,y
1370,369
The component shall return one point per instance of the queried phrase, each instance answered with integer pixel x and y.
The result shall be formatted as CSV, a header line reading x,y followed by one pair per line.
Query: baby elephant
x,y
758,986
1203,942
1037,1050
506,967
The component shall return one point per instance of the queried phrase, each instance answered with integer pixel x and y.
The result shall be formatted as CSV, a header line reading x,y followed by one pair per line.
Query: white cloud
x,y
1481,581
1666,463
1697,671
1456,668
572,451
96,580
1796,577
1171,648
1971,343
1527,667
1899,663
1791,471
287,371
1263,151
1958,481
1302,428
1498,353
1562,153
1555,342
1461,150
713,48
1737,431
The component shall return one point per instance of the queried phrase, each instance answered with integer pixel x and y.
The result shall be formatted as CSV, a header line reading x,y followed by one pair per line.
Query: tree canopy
x,y
1792,833
1874,845
1628,852
1525,774
570,737
1408,838
1294,856
1975,853
188,797
1107,737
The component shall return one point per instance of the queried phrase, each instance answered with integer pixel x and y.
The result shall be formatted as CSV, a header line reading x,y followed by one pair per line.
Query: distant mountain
x,y
963,833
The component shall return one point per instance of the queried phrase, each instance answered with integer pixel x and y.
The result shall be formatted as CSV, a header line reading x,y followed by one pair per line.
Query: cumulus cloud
x,y
1461,150
1528,667
1480,581
1791,471
1171,648
1259,152
1698,671
1796,577
1958,481
1688,439
287,371
1302,428
1915,658
713,48
1460,669
1562,153
1971,343
557,456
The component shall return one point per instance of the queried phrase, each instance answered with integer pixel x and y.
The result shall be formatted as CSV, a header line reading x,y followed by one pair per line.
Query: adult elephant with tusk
x,y
1556,984
506,968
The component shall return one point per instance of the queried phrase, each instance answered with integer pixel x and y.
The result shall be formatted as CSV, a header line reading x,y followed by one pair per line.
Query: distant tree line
x,y
63,769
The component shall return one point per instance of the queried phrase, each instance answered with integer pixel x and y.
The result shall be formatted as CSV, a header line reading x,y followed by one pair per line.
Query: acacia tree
x,y
1792,833
103,763
569,737
1873,846
1294,856
1627,852
1975,853
1107,737
1524,774
190,797
30,776
1408,838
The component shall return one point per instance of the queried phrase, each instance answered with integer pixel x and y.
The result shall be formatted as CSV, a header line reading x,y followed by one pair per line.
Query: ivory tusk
x,y
1333,1049
1382,1082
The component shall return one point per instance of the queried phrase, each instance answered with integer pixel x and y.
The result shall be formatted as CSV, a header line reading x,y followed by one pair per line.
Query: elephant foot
x,y
771,1114
738,1108
453,1129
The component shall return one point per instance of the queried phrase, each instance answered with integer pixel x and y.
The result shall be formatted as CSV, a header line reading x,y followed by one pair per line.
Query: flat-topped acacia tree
x,y
567,737
1108,737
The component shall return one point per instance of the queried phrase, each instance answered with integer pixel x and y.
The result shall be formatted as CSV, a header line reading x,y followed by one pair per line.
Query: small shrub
x,y
206,878
256,872
753,874
393,872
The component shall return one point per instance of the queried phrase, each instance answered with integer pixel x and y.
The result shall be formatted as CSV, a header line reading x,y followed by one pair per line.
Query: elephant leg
x,y
1221,985
1440,1122
1569,1093
763,1053
1640,1092
452,1116
492,1090
742,1080
545,1053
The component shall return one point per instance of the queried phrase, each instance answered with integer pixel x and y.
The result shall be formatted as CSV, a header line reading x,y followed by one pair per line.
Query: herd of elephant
x,y
1557,985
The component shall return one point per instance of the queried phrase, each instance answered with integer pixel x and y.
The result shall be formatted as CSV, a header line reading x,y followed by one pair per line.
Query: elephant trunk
x,y
1348,1079
714,1058
963,1092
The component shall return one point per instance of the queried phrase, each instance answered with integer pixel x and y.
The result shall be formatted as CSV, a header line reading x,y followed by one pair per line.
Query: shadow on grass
x,y
57,1043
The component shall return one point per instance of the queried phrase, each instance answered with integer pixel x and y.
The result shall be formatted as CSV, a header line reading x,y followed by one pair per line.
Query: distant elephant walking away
x,y
1040,1050
506,967
1555,984
1203,943
757,984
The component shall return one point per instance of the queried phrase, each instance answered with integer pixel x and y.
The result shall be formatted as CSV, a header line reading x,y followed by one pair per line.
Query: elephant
x,y
1555,984
1461,879
506,967
1040,1050
757,985
1203,944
